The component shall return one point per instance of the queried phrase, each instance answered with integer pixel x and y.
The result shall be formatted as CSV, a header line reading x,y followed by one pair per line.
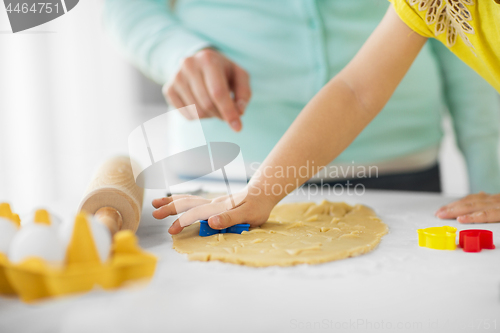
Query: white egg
x,y
65,232
29,219
7,232
102,238
37,241
100,233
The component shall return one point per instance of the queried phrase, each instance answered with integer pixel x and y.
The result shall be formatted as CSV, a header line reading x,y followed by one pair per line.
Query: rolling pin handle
x,y
111,218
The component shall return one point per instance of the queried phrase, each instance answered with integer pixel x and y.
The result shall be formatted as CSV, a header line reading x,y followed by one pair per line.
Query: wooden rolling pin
x,y
113,196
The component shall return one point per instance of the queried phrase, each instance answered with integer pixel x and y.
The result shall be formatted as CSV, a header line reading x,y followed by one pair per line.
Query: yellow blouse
x,y
469,28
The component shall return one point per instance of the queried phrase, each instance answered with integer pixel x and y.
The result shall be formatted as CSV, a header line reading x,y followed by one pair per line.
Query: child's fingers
x,y
157,203
175,228
178,206
164,211
219,221
221,214
187,203
483,216
229,218
202,212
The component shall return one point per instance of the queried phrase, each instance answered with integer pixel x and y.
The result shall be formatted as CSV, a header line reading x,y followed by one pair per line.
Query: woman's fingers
x,y
463,208
482,216
205,106
172,97
450,211
218,89
470,197
184,91
241,88
474,208
210,80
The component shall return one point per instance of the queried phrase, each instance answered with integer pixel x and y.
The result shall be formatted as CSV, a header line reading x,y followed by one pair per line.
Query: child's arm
x,y
326,126
345,106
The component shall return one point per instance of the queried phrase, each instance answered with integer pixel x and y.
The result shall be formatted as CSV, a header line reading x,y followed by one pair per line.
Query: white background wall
x,y
453,170
67,102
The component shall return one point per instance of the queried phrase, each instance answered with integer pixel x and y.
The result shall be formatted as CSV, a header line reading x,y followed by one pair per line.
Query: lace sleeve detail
x,y
452,17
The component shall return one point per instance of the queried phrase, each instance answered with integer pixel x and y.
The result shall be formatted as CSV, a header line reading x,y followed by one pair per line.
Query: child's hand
x,y
474,208
251,209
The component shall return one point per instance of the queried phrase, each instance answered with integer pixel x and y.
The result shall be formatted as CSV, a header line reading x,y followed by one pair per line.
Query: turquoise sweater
x,y
291,48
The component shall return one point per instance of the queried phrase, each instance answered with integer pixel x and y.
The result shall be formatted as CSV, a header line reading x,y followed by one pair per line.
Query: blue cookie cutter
x,y
205,229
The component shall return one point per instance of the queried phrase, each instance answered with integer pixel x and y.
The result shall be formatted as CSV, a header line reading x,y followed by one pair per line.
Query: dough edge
x,y
266,261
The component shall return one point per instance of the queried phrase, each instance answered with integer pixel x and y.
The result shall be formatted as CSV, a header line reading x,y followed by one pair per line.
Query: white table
x,y
397,287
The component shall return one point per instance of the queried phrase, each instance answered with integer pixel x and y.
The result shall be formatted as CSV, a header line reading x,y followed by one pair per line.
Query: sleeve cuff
x,y
166,57
483,165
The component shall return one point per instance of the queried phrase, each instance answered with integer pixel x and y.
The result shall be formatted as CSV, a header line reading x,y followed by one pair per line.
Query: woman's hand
x,y
474,208
207,80
220,213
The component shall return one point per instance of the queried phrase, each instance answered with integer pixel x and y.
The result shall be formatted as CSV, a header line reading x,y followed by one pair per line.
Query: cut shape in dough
x,y
296,233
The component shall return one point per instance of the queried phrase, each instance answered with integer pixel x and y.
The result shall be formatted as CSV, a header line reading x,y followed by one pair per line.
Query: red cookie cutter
x,y
474,240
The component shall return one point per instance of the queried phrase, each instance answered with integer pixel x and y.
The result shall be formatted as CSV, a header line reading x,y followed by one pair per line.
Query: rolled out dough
x,y
296,233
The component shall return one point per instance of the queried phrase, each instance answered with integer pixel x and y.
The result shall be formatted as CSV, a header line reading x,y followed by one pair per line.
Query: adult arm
x,y
474,107
184,62
475,110
151,36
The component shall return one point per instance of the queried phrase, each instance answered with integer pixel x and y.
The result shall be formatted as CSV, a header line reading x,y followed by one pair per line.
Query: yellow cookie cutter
x,y
34,278
438,238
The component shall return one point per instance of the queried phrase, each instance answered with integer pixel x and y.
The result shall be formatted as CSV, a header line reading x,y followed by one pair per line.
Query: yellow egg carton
x,y
7,213
34,278
438,238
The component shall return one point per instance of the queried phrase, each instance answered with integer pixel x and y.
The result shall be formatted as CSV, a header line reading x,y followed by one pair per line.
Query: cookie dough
x,y
296,233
